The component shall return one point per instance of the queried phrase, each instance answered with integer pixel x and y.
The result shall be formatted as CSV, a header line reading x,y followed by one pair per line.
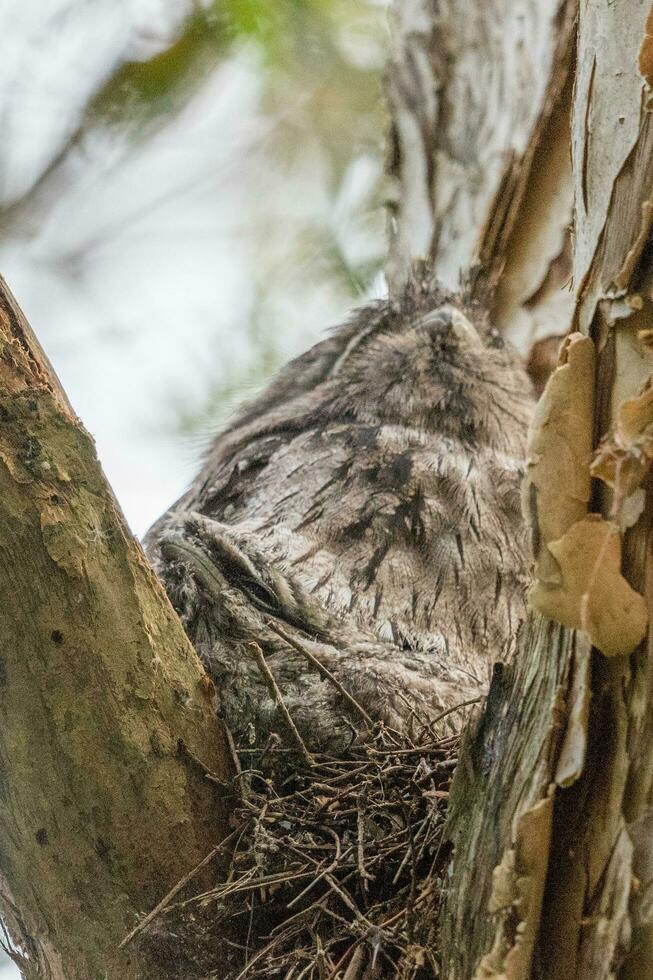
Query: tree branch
x,y
100,814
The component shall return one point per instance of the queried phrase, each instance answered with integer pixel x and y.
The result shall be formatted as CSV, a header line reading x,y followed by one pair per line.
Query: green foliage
x,y
294,38
153,87
276,26
305,172
328,110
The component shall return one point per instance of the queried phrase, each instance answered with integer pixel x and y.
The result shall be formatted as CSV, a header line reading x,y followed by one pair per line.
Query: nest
x,y
335,871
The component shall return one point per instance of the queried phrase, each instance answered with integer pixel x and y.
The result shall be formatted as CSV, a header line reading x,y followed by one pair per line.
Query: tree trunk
x,y
101,811
499,130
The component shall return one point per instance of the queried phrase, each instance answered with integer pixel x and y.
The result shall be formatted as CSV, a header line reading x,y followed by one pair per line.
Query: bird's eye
x,y
260,595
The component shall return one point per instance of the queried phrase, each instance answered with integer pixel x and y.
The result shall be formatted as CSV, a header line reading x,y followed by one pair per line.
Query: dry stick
x,y
210,895
412,713
323,871
456,707
323,874
174,891
342,776
407,855
348,901
355,964
251,885
360,851
300,648
433,745
348,952
302,914
273,687
183,749
255,959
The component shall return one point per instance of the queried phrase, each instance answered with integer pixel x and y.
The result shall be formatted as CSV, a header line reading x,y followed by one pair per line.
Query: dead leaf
x,y
624,458
593,595
557,484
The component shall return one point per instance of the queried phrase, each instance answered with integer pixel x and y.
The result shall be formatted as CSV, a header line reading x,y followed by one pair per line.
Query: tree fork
x,y
100,812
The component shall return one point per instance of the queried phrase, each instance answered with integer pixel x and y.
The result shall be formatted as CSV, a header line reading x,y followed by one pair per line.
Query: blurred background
x,y
190,193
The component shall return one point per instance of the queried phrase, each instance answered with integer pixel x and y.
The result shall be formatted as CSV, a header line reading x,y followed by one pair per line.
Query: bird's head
x,y
237,605
212,570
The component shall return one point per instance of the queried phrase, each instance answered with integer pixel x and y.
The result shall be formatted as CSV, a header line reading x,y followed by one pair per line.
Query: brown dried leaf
x,y
624,458
593,595
557,485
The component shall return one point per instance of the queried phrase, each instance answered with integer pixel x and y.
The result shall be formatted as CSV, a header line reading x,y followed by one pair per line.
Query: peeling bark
x,y
479,94
597,892
501,808
100,811
570,729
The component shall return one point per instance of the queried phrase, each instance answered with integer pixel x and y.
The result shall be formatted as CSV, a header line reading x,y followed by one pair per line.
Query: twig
x,y
353,970
334,838
323,874
300,648
348,952
149,918
456,707
270,746
360,852
348,901
255,959
208,774
273,687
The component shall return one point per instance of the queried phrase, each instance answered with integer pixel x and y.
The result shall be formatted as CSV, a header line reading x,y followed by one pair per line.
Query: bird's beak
x,y
456,323
175,547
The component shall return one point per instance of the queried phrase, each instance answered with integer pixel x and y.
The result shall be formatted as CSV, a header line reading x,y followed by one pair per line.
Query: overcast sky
x,y
138,270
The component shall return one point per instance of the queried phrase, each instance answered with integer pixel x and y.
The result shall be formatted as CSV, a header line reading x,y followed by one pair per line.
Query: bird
x,y
352,551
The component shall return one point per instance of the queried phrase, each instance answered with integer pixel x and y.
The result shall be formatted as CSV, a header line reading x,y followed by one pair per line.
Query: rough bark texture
x,y
551,808
500,814
100,811
479,100
598,898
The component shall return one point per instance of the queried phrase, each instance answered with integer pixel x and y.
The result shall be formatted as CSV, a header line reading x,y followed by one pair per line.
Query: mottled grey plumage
x,y
368,503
